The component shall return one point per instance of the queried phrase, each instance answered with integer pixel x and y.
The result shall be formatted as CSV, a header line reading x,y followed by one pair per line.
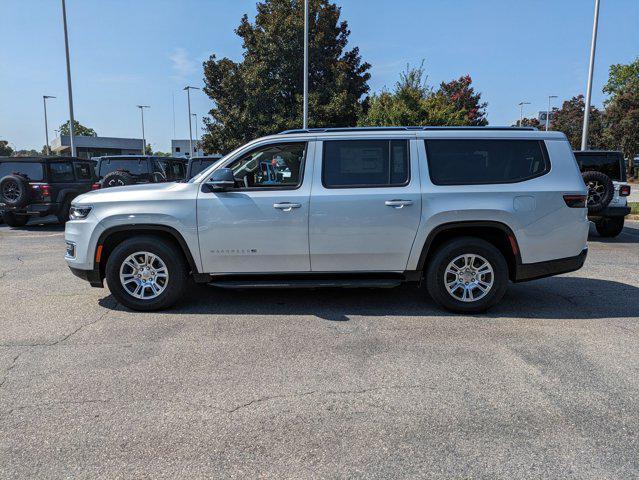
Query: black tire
x,y
63,213
14,220
117,179
600,190
168,253
436,275
14,190
609,227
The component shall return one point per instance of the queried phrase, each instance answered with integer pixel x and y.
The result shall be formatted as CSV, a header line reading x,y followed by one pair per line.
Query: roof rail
x,y
395,129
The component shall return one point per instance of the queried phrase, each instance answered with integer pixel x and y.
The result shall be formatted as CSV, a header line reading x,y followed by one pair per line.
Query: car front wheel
x,y
146,273
467,275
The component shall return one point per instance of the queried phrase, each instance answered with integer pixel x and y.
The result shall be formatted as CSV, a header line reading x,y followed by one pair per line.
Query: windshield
x,y
31,170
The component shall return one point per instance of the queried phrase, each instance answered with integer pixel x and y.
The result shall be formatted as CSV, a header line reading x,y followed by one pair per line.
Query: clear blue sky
x,y
127,52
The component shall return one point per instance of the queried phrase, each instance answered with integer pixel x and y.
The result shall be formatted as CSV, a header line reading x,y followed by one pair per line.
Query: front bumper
x,y
532,271
91,276
611,212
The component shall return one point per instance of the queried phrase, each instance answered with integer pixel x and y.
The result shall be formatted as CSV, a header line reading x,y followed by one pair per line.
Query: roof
x,y
178,159
395,129
44,159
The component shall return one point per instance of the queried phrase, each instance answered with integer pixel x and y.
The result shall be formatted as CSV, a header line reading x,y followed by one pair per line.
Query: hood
x,y
145,191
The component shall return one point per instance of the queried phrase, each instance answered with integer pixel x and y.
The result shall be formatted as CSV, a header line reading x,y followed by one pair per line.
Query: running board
x,y
309,283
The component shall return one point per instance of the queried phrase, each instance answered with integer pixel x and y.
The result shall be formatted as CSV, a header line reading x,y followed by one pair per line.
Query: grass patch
x,y
634,208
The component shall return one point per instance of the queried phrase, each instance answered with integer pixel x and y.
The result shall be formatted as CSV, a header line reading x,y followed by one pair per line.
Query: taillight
x,y
624,190
95,186
576,201
45,190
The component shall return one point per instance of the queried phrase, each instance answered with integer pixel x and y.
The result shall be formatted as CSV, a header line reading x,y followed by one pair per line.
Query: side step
x,y
309,283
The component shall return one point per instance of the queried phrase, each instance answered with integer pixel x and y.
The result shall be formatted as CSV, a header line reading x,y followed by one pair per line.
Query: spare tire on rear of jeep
x,y
600,190
119,178
14,190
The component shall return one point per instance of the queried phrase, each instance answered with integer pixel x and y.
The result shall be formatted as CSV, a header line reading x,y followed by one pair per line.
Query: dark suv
x,y
199,164
121,170
605,175
41,186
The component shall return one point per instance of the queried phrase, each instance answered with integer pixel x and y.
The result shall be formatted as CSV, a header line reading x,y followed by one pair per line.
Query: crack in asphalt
x,y
13,364
20,260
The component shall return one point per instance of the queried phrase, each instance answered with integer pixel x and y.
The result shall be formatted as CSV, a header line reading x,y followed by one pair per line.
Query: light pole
x,y
305,114
197,133
591,67
142,107
548,112
70,90
46,125
188,95
521,112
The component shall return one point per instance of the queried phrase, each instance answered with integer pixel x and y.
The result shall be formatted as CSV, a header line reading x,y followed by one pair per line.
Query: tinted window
x,y
178,171
365,163
83,171
32,171
61,172
136,167
161,170
609,163
198,166
473,162
279,165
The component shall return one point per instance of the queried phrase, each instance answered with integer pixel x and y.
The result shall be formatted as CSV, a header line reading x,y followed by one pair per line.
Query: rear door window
x,y
477,162
32,171
61,172
138,168
365,163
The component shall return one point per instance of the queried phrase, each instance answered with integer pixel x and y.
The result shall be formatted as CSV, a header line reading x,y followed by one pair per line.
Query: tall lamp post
x,y
521,112
197,133
188,95
46,124
591,67
305,119
548,112
142,107
70,90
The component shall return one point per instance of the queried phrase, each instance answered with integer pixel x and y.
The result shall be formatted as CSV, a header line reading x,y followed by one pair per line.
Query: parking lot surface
x,y
318,383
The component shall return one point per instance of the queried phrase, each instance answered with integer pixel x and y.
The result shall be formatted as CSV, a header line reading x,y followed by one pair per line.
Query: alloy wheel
x,y
144,275
469,277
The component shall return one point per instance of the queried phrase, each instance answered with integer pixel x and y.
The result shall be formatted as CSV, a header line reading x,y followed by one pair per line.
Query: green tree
x,y
413,102
263,93
622,117
620,75
5,149
78,130
569,120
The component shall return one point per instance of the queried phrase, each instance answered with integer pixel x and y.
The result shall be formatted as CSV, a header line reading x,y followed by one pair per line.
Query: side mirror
x,y
221,180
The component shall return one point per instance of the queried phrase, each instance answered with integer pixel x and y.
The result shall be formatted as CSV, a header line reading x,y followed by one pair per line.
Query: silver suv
x,y
463,210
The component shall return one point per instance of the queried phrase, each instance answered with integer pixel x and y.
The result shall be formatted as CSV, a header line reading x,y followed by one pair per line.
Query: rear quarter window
x,y
480,162
32,171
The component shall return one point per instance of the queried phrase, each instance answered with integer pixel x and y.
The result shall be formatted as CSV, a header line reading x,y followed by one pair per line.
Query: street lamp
x,y
142,107
70,91
46,125
591,67
305,114
548,112
521,112
197,133
188,94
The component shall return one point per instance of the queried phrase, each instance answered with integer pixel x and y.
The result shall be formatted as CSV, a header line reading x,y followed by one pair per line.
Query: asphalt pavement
x,y
318,383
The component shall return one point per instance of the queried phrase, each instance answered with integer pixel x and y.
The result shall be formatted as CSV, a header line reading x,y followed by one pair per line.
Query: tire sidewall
x,y
449,251
23,187
172,258
609,191
609,227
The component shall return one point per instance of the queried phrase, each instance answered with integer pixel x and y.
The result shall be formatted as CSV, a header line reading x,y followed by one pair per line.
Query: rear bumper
x,y
612,212
91,276
532,271
34,209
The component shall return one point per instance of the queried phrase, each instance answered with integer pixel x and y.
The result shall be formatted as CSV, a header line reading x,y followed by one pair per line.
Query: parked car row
x,y
41,186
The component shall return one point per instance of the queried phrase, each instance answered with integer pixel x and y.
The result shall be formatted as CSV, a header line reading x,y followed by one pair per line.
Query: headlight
x,y
79,212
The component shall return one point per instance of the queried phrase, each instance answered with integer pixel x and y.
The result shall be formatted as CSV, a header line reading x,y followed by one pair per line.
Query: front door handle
x,y
286,206
398,203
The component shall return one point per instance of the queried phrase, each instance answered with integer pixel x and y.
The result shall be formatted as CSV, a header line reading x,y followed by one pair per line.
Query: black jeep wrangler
x,y
199,164
41,186
604,173
121,170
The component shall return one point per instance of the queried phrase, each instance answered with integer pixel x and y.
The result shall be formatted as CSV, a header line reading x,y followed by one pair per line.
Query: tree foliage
x,y
263,93
78,130
413,102
620,75
5,149
569,120
622,115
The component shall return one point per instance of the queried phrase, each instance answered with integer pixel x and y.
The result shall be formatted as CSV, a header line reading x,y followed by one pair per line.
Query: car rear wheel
x,y
467,275
609,227
14,220
146,273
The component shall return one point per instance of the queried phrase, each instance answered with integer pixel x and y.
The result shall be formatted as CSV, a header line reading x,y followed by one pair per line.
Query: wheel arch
x,y
497,233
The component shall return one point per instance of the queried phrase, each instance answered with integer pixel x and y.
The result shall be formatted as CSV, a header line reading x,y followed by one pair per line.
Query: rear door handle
x,y
286,206
398,203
